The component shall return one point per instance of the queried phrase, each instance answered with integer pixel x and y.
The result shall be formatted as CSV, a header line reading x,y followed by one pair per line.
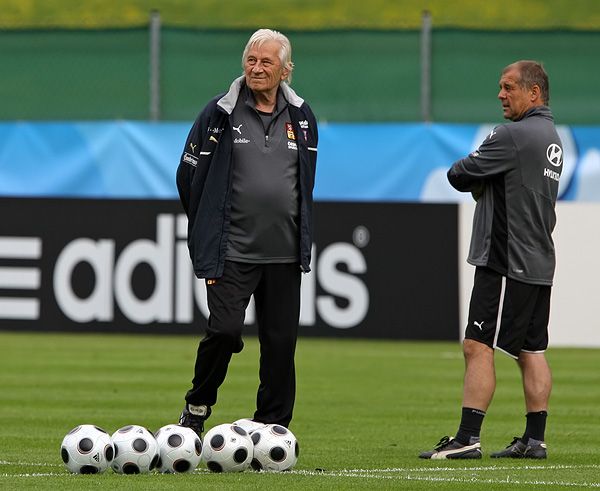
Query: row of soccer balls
x,y
88,449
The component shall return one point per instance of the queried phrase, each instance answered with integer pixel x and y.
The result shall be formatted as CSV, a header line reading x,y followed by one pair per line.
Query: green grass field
x,y
364,410
309,14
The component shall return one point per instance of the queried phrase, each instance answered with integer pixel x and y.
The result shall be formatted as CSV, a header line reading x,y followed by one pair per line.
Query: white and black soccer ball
x,y
249,424
275,449
87,449
227,448
179,447
136,450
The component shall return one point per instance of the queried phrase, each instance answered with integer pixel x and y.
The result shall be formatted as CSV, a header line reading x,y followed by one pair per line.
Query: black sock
x,y
470,424
536,426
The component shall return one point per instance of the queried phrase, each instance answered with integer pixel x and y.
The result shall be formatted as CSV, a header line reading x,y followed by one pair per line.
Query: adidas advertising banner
x,y
381,270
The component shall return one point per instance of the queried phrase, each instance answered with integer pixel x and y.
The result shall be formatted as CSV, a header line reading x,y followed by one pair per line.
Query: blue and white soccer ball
x,y
179,447
136,450
275,448
227,448
87,449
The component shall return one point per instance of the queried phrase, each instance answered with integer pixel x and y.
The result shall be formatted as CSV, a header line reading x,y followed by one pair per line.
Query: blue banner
x,y
357,162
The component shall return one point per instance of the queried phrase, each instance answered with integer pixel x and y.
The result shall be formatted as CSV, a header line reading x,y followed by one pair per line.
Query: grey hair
x,y
532,73
285,52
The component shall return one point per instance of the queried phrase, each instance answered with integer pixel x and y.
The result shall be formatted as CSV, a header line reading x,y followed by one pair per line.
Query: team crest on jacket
x,y
289,129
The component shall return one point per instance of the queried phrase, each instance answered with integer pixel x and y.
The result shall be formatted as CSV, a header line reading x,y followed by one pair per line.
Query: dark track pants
x,y
276,289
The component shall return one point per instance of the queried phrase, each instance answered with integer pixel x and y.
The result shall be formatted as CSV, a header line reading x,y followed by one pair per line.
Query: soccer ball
x,y
249,425
136,450
179,447
227,448
87,449
275,449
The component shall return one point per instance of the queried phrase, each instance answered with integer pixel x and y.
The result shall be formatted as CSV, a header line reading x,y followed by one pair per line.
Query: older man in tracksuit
x,y
245,180
514,177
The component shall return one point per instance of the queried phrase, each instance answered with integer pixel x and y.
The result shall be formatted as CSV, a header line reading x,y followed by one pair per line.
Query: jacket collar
x,y
543,111
227,102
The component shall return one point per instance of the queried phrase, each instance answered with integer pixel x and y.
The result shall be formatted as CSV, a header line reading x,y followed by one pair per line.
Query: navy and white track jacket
x,y
204,178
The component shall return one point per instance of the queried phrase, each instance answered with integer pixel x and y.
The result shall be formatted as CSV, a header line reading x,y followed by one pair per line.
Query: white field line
x,y
397,474
480,468
34,474
30,464
470,480
406,475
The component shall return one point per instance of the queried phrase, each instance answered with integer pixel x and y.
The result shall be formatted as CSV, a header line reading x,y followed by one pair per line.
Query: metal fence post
x,y
426,66
155,65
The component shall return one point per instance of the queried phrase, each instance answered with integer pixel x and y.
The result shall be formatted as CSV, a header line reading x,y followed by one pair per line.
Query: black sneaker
x,y
194,416
449,448
518,449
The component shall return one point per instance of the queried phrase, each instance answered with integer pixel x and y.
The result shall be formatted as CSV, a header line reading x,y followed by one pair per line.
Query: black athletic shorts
x,y
507,314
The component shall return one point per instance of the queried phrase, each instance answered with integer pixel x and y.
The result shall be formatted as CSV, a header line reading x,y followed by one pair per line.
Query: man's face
x,y
263,68
516,100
